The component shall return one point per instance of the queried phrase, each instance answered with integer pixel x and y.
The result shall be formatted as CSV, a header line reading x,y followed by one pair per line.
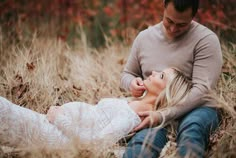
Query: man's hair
x,y
182,5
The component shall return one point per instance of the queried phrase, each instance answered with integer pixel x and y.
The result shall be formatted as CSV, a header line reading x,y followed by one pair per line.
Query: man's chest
x,y
157,60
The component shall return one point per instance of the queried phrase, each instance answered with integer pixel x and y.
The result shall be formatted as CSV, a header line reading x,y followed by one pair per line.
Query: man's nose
x,y
173,28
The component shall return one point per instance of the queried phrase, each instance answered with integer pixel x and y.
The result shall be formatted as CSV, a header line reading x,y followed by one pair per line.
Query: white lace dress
x,y
109,120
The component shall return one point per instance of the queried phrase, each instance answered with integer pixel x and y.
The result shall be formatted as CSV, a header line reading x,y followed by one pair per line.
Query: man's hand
x,y
136,87
149,119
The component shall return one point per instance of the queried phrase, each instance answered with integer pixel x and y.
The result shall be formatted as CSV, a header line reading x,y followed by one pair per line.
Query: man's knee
x,y
202,119
194,130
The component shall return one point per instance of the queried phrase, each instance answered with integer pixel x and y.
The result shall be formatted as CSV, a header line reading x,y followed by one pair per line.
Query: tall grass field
x,y
42,71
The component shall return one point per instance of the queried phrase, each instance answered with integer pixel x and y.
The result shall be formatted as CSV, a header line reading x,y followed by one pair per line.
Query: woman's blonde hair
x,y
175,91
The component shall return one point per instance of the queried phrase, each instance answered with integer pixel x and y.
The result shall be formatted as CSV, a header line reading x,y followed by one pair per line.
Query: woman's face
x,y
157,81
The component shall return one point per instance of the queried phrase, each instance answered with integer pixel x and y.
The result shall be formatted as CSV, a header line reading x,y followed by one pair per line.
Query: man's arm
x,y
132,68
206,71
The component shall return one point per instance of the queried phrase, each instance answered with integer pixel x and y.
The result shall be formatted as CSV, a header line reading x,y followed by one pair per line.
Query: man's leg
x,y
146,143
194,131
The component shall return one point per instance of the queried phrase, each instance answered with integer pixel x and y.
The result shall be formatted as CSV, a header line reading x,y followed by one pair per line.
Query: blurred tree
x,y
113,18
220,16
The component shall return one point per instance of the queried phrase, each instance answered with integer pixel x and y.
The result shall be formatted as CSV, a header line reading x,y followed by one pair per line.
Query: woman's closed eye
x,y
161,75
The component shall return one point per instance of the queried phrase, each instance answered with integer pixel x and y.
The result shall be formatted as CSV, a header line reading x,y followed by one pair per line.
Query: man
x,y
179,42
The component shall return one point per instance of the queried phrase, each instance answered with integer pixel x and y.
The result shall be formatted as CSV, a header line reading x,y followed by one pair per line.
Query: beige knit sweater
x,y
197,53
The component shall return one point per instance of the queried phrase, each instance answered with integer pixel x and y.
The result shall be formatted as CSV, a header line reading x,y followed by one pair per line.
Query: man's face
x,y
176,23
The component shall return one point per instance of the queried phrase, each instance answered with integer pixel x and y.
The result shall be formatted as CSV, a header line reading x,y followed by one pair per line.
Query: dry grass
x,y
44,71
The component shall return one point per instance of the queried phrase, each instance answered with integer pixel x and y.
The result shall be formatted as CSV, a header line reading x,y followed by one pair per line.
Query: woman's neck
x,y
145,103
148,99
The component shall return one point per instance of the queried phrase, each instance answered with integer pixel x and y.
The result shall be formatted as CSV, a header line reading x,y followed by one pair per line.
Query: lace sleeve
x,y
73,117
122,119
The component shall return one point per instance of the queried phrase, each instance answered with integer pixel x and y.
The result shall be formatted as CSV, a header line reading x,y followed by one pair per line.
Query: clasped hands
x,y
53,112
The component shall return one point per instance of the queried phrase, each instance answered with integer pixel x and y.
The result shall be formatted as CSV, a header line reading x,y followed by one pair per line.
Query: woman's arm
x,y
70,118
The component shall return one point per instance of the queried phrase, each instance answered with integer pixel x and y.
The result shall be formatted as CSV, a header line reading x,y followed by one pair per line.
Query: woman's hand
x,y
149,119
53,112
136,87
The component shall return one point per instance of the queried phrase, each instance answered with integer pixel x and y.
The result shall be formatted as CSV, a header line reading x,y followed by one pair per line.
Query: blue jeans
x,y
192,136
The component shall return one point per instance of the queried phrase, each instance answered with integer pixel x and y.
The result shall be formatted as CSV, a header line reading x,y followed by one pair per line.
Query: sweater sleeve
x,y
132,68
206,71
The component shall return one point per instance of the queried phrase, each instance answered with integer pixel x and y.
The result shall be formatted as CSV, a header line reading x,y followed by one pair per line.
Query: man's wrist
x,y
161,119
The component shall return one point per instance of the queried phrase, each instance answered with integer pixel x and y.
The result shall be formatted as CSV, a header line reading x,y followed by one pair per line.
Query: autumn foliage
x,y
38,71
114,18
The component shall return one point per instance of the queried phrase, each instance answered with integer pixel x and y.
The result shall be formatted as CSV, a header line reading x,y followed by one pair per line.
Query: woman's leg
x,y
194,131
21,127
146,143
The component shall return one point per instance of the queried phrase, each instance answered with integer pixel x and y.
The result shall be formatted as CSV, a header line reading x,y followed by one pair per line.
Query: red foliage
x,y
217,14
115,15
141,13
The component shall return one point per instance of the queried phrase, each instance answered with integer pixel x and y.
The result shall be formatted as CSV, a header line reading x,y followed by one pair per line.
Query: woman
x,y
108,121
